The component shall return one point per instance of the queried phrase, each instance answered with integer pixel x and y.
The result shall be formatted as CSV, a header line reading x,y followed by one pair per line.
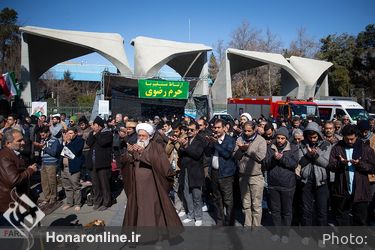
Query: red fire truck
x,y
276,105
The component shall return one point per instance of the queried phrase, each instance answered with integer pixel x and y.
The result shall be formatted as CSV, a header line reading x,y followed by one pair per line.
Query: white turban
x,y
247,115
146,127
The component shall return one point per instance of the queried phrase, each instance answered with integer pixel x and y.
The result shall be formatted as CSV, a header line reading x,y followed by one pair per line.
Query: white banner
x,y
103,107
39,108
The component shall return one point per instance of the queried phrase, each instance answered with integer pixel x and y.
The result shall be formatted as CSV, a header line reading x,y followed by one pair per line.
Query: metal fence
x,y
68,110
79,111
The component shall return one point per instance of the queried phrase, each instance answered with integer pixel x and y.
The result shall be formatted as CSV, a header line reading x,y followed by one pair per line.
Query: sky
x,y
210,21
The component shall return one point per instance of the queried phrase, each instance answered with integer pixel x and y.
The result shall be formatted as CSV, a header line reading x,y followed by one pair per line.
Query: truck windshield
x,y
358,114
304,111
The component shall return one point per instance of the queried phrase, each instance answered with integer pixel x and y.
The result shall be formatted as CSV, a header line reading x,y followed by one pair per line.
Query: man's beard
x,y
329,134
143,143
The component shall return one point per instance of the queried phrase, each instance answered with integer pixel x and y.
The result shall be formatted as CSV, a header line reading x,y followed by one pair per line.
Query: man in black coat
x,y
352,161
281,161
100,143
191,156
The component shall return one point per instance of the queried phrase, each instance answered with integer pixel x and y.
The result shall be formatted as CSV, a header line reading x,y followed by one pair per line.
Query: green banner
x,y
163,89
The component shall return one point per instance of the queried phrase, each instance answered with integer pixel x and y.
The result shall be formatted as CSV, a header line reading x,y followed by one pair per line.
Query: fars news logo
x,y
23,215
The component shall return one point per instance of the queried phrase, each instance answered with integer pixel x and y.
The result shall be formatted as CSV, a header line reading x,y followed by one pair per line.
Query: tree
x,y
340,50
254,80
303,45
340,83
213,68
245,37
363,70
219,48
10,42
271,74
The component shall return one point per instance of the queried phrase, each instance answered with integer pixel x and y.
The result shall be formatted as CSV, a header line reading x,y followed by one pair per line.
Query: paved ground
x,y
112,216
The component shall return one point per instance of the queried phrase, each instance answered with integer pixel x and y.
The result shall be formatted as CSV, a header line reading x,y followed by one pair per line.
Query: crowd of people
x,y
301,172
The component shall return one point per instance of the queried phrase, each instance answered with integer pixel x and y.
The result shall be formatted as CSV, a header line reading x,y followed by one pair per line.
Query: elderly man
x,y
148,179
12,172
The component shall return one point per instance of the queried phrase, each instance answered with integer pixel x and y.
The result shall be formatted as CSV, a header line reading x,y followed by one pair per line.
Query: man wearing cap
x,y
365,134
157,122
73,121
100,143
131,135
148,180
368,137
281,161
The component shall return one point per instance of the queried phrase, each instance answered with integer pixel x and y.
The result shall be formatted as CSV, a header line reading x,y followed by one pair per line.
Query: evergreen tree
x,y
213,68
10,42
340,50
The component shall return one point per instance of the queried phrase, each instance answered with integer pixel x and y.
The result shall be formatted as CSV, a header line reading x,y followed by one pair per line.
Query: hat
x,y
57,116
146,127
247,115
73,118
156,117
83,119
282,131
363,125
2,118
99,121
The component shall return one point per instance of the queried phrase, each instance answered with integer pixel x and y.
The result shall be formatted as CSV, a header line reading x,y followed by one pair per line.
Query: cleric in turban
x,y
148,179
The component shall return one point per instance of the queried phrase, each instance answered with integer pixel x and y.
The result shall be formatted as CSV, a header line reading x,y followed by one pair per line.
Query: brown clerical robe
x,y
147,182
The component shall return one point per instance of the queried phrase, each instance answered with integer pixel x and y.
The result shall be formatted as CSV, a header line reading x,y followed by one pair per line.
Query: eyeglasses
x,y
201,125
191,129
71,121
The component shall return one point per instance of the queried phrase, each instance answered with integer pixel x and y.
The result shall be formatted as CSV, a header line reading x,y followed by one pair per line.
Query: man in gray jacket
x,y
314,158
250,150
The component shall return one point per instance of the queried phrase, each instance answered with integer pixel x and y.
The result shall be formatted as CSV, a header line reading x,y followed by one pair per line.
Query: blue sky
x,y
210,20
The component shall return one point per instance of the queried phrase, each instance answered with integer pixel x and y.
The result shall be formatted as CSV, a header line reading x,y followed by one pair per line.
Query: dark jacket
x,y
12,175
100,149
76,146
281,173
361,184
227,164
191,158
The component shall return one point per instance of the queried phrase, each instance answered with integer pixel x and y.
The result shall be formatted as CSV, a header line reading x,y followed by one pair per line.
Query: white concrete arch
x,y
43,48
314,75
187,59
300,77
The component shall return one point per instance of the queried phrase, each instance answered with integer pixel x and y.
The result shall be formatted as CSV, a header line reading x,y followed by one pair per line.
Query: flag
x,y
4,87
10,80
